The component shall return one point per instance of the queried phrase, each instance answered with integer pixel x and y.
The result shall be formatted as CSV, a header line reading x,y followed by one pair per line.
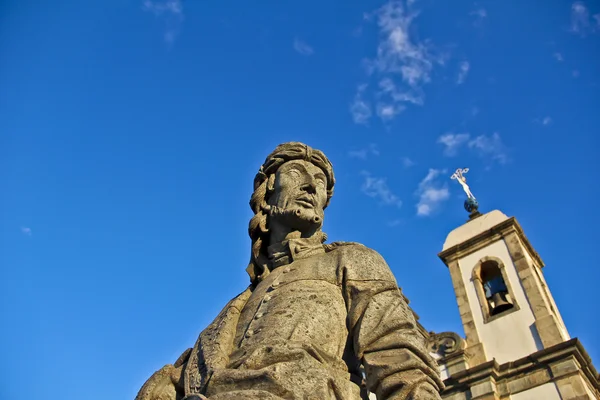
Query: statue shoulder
x,y
353,249
362,262
338,245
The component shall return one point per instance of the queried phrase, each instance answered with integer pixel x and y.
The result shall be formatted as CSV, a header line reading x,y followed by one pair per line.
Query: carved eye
x,y
321,183
294,173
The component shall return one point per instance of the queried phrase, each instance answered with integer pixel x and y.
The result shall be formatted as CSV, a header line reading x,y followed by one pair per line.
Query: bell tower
x,y
508,313
506,308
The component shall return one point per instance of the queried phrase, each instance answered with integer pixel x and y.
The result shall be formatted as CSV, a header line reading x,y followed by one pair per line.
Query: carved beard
x,y
297,217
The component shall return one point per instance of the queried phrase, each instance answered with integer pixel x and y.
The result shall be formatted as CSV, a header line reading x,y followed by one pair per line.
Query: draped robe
x,y
305,331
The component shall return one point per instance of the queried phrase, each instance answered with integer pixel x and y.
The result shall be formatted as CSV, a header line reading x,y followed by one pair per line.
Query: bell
x,y
501,302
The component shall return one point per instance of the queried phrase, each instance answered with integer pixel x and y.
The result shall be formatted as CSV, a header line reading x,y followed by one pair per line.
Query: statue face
x,y
301,191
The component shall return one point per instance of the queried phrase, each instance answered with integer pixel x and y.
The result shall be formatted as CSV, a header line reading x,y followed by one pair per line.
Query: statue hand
x,y
164,384
167,382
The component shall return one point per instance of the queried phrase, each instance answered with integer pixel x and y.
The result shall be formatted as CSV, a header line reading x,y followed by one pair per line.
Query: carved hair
x,y
264,185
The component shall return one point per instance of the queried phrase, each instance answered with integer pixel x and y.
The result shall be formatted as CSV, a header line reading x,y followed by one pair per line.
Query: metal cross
x,y
460,177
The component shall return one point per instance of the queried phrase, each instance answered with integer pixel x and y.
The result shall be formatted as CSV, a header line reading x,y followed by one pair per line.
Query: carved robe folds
x,y
303,332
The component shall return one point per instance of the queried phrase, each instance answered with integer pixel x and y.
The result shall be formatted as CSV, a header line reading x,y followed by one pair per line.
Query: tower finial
x,y
471,204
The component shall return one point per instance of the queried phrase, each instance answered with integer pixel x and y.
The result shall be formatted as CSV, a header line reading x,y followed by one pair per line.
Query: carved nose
x,y
310,187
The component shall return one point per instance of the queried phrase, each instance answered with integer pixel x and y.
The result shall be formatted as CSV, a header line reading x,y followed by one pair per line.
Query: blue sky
x,y
130,132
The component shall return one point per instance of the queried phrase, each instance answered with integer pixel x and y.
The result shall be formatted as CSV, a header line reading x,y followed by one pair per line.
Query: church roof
x,y
474,227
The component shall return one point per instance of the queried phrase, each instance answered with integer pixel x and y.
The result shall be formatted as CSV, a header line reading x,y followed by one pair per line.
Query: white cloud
x,y
171,11
387,88
480,13
399,52
431,193
377,188
302,47
403,64
165,6
479,16
452,142
360,109
407,162
364,153
558,56
547,120
387,111
490,146
394,223
579,17
463,72
26,231
581,22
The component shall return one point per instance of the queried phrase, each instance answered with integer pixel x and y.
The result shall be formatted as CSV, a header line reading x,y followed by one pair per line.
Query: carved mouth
x,y
306,201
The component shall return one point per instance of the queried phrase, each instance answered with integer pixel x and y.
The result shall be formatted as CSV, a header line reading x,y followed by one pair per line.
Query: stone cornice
x,y
481,240
539,361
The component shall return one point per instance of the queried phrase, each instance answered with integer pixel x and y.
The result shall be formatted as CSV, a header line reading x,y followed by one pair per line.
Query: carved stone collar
x,y
286,252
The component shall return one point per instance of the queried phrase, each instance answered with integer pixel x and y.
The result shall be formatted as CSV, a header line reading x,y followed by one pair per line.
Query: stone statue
x,y
318,321
462,179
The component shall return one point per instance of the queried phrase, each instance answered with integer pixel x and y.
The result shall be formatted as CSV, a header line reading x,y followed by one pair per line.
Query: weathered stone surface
x,y
315,315
483,390
445,343
565,365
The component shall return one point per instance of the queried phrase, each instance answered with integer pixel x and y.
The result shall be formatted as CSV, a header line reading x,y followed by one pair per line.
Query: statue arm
x,y
167,382
385,334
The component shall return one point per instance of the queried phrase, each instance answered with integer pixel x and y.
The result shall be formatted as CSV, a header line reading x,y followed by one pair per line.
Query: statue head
x,y
292,189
